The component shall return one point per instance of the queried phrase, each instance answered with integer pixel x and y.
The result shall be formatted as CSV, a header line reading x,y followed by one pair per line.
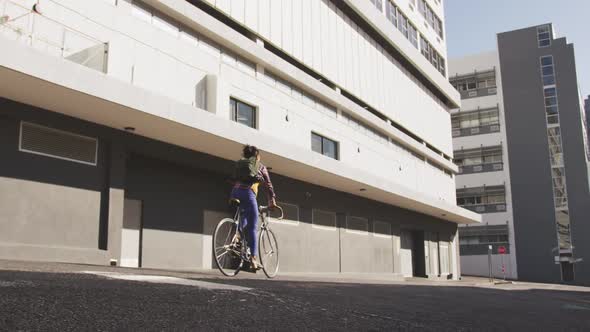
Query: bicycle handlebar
x,y
276,207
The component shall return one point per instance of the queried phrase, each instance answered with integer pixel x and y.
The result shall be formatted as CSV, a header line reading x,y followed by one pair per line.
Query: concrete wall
x,y
183,195
477,265
529,154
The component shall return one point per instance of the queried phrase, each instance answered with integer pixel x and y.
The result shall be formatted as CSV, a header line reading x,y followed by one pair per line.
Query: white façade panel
x,y
297,29
264,14
251,14
381,71
316,35
224,6
238,10
333,42
275,22
340,48
324,36
307,41
355,57
347,52
287,25
364,65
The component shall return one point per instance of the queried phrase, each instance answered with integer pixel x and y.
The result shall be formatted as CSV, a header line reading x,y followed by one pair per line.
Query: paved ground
x,y
41,296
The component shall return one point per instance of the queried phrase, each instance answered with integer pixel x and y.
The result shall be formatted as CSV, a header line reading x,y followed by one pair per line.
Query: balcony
x,y
481,92
480,130
486,208
482,168
26,25
476,84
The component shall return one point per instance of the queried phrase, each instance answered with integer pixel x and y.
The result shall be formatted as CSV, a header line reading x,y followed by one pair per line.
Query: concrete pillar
x,y
455,256
116,201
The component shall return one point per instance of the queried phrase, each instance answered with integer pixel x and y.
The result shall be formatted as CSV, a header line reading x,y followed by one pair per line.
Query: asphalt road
x,y
84,301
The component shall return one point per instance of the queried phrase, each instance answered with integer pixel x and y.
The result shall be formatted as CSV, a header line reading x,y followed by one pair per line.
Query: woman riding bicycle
x,y
249,173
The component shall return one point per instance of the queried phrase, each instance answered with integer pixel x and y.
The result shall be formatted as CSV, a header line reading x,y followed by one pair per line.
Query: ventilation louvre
x,y
357,224
58,144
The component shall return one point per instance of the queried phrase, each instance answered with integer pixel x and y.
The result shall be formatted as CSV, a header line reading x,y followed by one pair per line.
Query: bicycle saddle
x,y
234,202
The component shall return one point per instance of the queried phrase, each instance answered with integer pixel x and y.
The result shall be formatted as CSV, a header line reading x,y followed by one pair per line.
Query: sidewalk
x,y
381,279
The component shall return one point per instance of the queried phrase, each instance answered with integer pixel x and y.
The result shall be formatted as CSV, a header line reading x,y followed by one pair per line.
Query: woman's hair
x,y
250,151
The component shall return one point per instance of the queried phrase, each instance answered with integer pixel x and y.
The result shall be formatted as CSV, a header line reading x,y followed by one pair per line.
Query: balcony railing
x,y
492,128
482,168
486,208
27,26
481,92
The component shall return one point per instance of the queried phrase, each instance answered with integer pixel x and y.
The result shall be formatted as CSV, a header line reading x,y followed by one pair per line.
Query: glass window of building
x,y
325,146
242,113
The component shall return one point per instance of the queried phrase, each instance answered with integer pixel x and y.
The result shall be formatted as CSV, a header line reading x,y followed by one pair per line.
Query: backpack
x,y
247,170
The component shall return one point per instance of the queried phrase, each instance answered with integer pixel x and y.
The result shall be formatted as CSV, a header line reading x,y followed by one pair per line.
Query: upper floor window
x,y
325,146
544,36
242,113
431,18
477,122
479,160
483,199
402,23
547,70
477,84
432,55
378,4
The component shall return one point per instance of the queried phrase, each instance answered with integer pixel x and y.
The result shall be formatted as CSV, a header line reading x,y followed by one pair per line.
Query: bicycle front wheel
x,y
268,249
227,247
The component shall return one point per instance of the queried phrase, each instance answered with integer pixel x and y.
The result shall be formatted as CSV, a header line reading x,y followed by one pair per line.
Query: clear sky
x,y
472,26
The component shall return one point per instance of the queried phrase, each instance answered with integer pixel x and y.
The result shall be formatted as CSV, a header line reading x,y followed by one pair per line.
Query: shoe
x,y
254,264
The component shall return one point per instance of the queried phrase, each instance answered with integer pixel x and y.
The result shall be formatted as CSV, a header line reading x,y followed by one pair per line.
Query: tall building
x,y
544,154
120,121
483,182
587,115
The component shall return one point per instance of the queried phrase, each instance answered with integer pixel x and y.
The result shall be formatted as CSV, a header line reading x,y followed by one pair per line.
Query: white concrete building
x,y
483,182
120,120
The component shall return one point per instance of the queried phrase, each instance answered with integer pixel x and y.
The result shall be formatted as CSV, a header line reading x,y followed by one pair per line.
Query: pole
x,y
503,268
490,262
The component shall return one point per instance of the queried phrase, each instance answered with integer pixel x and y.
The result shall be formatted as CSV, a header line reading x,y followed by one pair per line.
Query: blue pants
x,y
248,216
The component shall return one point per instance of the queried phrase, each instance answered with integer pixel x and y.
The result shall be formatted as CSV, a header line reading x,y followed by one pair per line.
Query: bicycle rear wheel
x,y
268,249
227,248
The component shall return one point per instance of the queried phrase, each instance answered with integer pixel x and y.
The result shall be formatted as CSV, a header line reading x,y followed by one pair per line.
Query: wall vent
x,y
58,144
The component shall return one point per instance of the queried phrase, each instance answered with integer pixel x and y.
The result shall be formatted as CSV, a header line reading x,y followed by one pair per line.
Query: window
x,y
403,25
431,18
479,156
325,146
242,113
433,56
413,35
550,91
422,7
547,70
491,195
482,119
438,27
544,36
58,144
378,4
392,13
323,219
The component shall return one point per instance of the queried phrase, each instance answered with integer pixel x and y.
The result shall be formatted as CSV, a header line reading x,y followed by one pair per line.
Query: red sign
x,y
501,250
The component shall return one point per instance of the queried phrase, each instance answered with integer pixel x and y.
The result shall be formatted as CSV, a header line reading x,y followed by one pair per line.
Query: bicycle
x,y
231,249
